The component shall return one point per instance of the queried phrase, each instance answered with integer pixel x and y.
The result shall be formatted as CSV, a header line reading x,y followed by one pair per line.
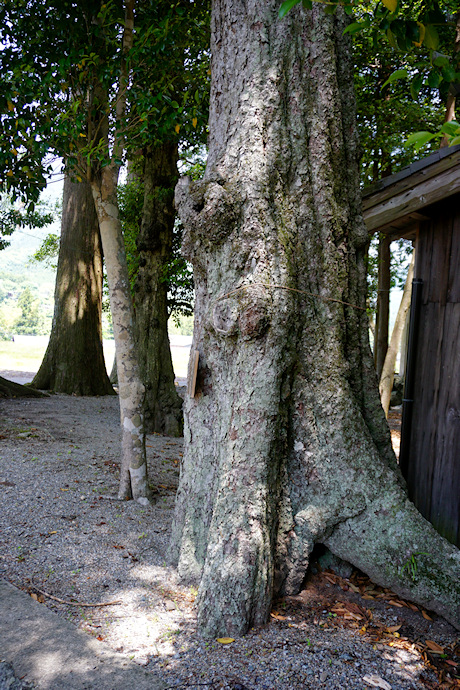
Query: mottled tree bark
x,y
104,183
74,359
162,405
286,443
133,471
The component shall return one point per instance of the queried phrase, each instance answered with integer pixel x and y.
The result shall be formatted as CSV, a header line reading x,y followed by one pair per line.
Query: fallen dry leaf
x,y
277,616
426,616
393,628
37,597
399,604
434,647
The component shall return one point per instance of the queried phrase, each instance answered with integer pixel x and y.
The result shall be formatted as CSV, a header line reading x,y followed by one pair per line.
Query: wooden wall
x,y
433,473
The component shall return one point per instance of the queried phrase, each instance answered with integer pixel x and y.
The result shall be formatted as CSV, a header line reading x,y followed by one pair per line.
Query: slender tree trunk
x,y
383,305
388,370
104,183
133,473
74,359
163,406
286,442
404,344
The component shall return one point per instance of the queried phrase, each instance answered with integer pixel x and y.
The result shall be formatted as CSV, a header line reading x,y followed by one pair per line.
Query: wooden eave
x,y
395,205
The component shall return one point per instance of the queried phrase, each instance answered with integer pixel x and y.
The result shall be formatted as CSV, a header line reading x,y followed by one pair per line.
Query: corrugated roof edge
x,y
410,170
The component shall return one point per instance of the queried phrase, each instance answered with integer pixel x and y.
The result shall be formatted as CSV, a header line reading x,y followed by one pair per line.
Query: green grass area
x,y
22,355
26,354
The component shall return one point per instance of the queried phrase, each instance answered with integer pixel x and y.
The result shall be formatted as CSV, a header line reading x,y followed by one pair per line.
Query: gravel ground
x,y
62,535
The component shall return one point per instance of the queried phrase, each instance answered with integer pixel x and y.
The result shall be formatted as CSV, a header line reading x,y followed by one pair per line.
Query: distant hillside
x,y
16,273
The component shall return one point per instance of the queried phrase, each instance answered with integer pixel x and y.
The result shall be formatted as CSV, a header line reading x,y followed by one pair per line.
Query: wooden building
x,y
422,203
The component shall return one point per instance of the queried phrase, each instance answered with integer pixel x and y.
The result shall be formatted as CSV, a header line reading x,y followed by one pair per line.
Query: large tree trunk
x,y
133,472
74,359
388,369
163,406
286,443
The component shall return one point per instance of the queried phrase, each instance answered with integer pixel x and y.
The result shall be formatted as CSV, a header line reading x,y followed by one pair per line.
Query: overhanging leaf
x,y
399,74
431,38
451,128
419,139
355,27
286,6
390,4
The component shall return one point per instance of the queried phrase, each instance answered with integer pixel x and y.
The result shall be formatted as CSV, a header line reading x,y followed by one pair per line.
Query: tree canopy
x,y
56,61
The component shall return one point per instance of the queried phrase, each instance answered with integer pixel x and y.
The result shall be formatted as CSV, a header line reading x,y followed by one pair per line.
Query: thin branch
x,y
284,287
74,603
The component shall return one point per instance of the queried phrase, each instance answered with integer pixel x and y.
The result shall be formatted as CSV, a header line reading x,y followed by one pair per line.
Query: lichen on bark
x,y
286,443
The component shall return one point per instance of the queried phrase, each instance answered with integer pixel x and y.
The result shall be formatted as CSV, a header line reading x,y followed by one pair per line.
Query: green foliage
x,y
180,324
178,274
179,277
47,252
60,91
386,110
130,201
421,36
16,216
30,321
170,67
5,331
449,130
411,565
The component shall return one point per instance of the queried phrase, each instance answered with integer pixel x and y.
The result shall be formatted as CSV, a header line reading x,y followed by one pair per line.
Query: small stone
x,y
323,676
170,605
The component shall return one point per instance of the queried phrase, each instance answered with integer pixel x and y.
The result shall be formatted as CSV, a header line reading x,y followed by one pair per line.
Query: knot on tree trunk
x,y
243,313
209,211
